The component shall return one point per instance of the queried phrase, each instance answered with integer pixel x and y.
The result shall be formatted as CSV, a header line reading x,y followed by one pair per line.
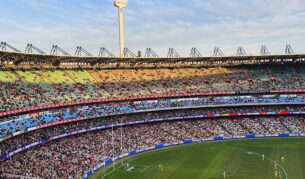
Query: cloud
x,y
157,24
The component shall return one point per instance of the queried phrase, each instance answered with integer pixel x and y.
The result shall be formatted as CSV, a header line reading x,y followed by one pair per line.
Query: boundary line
x,y
174,147
259,155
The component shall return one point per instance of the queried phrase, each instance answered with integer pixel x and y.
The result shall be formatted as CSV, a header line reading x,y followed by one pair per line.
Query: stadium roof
x,y
21,57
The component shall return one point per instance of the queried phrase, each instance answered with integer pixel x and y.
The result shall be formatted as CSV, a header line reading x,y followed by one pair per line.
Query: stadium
x,y
140,115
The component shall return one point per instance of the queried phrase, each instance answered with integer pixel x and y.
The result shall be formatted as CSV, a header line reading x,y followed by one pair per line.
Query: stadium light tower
x,y
121,4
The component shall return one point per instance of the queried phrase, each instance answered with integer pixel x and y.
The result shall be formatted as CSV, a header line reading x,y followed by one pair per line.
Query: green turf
x,y
241,158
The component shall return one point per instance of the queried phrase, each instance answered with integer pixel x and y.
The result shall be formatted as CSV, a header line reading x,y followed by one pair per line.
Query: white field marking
x,y
151,152
178,146
134,169
130,168
259,155
111,171
128,171
147,153
144,169
140,156
282,168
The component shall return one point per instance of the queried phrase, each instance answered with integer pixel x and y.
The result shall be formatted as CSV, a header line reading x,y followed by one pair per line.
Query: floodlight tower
x,y
121,4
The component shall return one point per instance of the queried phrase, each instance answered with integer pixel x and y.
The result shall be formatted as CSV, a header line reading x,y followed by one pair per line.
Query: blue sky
x,y
159,24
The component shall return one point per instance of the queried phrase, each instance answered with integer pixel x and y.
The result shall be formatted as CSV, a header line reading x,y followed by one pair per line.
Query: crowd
x,y
21,140
24,88
21,123
71,157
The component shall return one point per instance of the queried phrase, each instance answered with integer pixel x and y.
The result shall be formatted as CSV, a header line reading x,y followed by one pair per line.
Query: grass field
x,y
241,158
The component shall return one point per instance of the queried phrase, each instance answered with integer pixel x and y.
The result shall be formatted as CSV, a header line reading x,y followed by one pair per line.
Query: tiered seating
x,y
274,126
254,126
237,80
260,80
233,126
84,151
25,88
294,126
21,123
216,78
20,88
284,78
152,81
299,74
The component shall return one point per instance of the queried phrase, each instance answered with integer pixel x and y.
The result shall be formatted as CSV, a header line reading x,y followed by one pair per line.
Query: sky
x,y
158,24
